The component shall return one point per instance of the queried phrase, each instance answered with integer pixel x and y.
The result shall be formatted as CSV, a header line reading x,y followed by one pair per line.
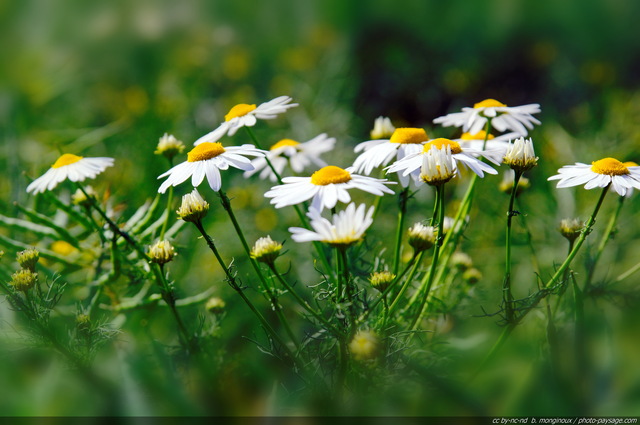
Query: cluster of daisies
x,y
407,153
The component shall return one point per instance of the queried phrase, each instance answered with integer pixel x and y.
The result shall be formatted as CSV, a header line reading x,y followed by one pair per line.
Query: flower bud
x,y
161,252
382,128
570,228
266,250
472,276
169,146
193,208
421,237
80,198
215,305
520,155
364,345
381,280
23,280
461,261
28,258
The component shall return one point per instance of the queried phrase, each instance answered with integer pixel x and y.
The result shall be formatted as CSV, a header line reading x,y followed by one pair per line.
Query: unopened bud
x,y
28,258
193,208
23,280
266,250
161,252
381,280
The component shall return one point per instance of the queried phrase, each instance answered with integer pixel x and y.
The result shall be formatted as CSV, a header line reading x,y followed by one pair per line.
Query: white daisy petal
x,y
72,167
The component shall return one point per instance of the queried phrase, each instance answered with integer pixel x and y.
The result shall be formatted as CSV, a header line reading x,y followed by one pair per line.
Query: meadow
x,y
329,262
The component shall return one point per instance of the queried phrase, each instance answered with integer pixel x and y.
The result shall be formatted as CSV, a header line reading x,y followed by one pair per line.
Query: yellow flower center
x,y
629,164
441,143
488,103
204,151
284,142
610,167
409,136
239,110
66,159
480,135
329,175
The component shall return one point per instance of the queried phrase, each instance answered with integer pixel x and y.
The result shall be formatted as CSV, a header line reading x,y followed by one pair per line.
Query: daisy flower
x,y
438,166
325,187
72,167
297,155
346,227
411,164
601,173
245,115
503,117
403,142
207,159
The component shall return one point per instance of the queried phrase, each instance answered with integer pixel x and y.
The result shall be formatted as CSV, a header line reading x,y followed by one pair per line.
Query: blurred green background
x,y
108,78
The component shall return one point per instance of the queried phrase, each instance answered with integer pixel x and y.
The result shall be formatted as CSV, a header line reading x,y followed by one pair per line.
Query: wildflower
x,y
364,345
23,280
570,228
63,248
412,163
448,223
506,185
72,167
325,187
382,128
381,280
601,173
461,261
472,276
503,117
421,237
28,258
245,115
403,142
80,198
169,146
266,250
193,208
346,228
207,159
297,155
520,155
161,252
215,305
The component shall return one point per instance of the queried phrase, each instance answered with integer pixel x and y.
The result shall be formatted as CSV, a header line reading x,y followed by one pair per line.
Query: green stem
x,y
231,279
507,295
554,279
344,269
402,201
434,261
167,292
603,242
226,203
304,303
407,283
166,220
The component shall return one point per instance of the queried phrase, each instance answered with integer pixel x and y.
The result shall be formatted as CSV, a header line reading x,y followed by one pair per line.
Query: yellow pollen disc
x,y
284,142
239,110
409,136
488,103
480,135
440,143
204,151
609,166
629,164
66,159
330,174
